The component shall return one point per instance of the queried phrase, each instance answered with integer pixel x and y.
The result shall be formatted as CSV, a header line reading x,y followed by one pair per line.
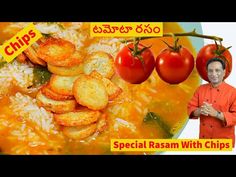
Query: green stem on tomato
x,y
192,33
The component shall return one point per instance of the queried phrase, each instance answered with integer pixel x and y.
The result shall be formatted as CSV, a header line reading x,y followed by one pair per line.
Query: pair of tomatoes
x,y
172,66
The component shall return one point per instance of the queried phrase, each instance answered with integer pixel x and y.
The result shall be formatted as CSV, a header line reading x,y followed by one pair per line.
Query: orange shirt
x,y
222,98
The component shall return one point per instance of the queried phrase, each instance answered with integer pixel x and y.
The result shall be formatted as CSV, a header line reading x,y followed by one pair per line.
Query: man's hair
x,y
216,59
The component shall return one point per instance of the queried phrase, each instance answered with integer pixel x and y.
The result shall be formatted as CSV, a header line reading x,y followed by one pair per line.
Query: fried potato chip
x,y
75,59
21,58
112,89
66,71
77,117
33,56
102,123
62,84
90,92
101,62
53,95
54,50
80,132
54,105
41,40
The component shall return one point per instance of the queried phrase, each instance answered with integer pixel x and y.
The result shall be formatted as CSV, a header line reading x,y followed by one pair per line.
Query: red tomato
x,y
174,66
210,51
130,68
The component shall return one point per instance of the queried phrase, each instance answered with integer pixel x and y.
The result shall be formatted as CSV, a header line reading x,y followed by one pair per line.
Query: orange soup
x,y
29,124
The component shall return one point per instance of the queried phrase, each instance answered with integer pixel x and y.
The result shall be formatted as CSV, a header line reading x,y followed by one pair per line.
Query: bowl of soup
x,y
63,96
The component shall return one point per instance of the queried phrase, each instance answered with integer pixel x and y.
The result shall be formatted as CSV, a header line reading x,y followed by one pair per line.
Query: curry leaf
x,y
41,75
46,35
153,117
2,64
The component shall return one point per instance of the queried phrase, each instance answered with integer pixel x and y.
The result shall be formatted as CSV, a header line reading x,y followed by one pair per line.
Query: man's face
x,y
215,72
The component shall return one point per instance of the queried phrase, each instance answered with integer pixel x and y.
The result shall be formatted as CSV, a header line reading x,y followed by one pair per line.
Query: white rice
x,y
138,103
111,46
3,124
18,73
153,79
121,122
90,138
15,27
186,88
71,34
146,98
48,28
26,107
152,90
138,108
121,110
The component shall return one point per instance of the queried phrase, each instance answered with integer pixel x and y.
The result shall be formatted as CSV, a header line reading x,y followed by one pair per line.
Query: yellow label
x,y
156,145
21,41
126,29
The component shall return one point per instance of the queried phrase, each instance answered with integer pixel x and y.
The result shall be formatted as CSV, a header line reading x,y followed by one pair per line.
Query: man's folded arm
x,y
230,116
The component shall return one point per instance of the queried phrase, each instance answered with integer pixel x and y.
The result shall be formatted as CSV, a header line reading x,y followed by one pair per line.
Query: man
x,y
215,104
